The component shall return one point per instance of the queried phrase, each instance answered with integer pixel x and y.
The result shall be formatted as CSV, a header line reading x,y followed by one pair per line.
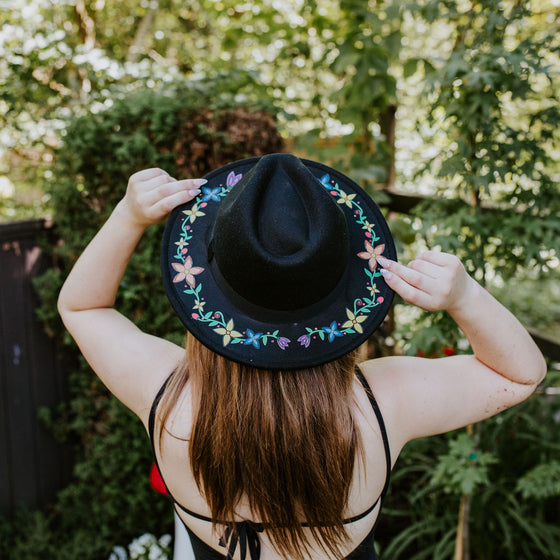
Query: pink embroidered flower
x,y
186,271
371,254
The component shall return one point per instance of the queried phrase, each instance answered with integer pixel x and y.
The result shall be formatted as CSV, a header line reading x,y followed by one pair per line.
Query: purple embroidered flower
x,y
332,331
283,342
253,338
211,194
304,340
233,179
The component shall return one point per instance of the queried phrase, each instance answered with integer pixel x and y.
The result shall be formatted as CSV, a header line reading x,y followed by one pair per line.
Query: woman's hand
x,y
151,194
433,281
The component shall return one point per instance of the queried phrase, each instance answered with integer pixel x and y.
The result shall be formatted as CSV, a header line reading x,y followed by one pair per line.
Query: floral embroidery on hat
x,y
357,314
193,213
371,253
186,271
233,179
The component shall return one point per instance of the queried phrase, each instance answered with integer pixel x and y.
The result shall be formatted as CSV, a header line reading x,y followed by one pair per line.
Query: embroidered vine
x,y
356,314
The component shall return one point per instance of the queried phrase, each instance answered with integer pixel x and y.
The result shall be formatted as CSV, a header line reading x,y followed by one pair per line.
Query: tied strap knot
x,y
246,534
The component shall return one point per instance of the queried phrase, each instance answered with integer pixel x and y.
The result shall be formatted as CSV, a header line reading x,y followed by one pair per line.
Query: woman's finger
x,y
409,293
436,257
425,267
165,205
412,277
165,189
147,174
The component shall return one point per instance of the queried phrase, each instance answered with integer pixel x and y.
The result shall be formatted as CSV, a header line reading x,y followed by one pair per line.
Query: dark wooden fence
x,y
32,465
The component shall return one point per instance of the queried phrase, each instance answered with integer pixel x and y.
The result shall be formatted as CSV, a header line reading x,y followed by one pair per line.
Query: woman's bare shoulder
x,y
421,397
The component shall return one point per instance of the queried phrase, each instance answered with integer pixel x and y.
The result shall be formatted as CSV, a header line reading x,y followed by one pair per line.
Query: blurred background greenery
x,y
456,101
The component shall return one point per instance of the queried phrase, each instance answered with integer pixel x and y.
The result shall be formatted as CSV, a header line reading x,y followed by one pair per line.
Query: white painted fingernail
x,y
383,261
194,192
385,273
200,182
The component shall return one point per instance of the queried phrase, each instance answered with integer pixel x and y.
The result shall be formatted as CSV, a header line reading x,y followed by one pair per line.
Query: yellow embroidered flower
x,y
368,227
181,244
354,321
373,290
228,333
346,199
193,213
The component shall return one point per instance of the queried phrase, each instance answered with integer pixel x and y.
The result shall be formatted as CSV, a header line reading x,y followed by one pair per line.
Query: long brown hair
x,y
284,440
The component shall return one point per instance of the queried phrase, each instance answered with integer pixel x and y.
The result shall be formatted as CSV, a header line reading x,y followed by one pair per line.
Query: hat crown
x,y
280,241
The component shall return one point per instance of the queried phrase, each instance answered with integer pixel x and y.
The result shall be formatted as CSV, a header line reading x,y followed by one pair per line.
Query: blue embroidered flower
x,y
211,194
253,338
325,181
332,331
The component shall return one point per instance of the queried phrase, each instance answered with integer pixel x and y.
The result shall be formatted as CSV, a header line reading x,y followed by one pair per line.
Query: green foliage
x,y
514,495
462,468
495,98
541,482
492,93
187,128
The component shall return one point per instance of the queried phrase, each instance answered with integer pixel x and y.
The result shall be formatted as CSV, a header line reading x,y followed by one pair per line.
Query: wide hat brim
x,y
315,335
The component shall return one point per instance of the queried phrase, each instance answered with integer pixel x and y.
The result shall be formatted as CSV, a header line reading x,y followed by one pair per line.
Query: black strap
x,y
246,534
381,423
152,418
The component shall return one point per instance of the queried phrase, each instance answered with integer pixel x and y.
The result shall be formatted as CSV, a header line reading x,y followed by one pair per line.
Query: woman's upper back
x,y
369,482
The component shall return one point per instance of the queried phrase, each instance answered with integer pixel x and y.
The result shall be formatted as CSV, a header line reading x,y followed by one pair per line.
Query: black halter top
x,y
245,534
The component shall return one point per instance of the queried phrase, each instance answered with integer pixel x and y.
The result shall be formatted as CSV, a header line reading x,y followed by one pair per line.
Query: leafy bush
x,y
510,466
188,129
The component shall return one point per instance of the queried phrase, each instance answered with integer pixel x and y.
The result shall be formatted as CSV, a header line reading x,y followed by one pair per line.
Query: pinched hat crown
x,y
280,241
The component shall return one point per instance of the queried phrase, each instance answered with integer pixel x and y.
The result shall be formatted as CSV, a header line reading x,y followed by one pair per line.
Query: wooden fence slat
x,y
33,467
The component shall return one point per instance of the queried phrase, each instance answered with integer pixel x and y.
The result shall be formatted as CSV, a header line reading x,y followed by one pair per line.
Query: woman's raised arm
x,y
130,362
426,397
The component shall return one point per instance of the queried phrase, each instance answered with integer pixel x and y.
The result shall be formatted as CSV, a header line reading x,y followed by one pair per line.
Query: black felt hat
x,y
274,263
